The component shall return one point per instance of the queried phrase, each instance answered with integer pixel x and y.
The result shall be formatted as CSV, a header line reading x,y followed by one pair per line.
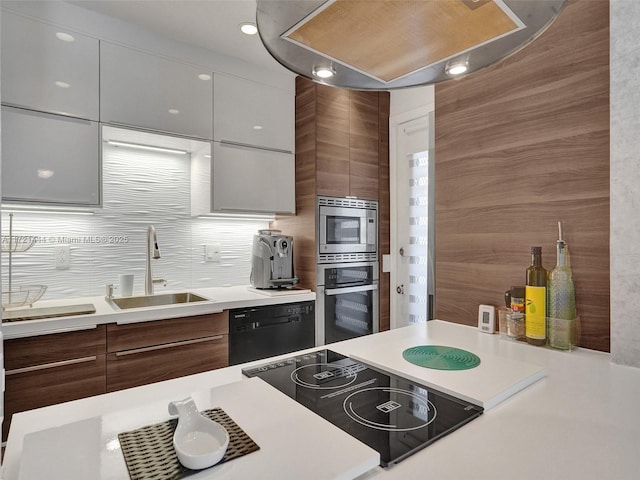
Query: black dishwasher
x,y
265,331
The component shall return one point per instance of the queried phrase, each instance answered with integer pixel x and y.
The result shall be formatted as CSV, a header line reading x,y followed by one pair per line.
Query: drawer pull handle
x,y
46,366
231,143
167,345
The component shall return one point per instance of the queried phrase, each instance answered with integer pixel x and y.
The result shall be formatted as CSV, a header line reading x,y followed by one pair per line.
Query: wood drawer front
x,y
55,347
158,332
137,367
48,384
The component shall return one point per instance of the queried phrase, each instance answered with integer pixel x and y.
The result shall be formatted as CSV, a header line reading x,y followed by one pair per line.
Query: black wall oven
x,y
347,301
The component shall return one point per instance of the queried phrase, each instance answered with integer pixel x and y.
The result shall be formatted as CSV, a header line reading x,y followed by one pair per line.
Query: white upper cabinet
x,y
253,180
243,179
49,159
249,113
143,90
48,69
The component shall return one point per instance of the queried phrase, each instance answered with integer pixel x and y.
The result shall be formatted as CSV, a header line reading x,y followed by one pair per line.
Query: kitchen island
x,y
578,420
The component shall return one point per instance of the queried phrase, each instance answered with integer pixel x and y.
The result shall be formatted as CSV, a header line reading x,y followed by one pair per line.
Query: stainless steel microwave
x,y
347,229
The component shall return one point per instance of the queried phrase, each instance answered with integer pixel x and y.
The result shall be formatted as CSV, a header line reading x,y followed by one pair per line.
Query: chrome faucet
x,y
149,281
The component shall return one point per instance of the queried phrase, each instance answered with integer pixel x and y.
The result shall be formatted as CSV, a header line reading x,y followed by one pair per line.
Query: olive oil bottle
x,y
536,300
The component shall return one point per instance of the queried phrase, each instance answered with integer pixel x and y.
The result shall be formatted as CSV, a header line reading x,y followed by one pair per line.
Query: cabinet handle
x,y
340,291
167,345
45,366
38,333
230,143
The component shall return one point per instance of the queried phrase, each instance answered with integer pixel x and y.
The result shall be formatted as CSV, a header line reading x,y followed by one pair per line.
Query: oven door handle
x,y
339,291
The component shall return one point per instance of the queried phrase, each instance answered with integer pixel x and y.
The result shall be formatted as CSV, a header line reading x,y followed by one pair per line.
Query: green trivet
x,y
439,357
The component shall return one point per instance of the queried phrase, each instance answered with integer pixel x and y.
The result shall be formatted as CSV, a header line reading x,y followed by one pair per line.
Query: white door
x,y
412,240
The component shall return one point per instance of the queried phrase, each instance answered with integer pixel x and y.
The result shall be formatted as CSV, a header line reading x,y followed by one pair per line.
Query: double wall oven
x,y
347,273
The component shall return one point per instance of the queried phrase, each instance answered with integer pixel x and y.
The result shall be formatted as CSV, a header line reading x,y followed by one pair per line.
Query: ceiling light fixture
x,y
65,37
382,54
140,146
456,67
204,76
248,28
324,72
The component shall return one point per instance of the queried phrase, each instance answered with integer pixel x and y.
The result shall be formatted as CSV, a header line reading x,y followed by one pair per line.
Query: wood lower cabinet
x,y
148,352
132,368
49,369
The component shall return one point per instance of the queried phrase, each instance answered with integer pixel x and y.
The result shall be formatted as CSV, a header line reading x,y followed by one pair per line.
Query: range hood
x,y
388,44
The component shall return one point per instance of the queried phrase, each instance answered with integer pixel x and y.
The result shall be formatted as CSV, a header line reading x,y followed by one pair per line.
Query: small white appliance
x,y
487,318
272,260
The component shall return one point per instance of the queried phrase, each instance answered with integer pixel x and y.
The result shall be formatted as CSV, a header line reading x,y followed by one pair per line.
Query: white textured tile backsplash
x,y
140,189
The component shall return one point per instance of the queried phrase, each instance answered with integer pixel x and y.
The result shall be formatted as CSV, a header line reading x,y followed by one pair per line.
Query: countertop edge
x,y
222,298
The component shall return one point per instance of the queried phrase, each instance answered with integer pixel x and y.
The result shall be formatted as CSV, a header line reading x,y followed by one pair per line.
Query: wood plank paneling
x,y
519,146
363,144
332,141
342,149
384,199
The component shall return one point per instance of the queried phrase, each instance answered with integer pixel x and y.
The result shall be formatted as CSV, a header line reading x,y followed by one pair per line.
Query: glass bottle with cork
x,y
561,299
536,300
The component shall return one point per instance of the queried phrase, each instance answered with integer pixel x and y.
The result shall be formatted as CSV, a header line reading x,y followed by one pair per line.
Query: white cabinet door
x,y
143,90
49,159
49,69
252,180
250,113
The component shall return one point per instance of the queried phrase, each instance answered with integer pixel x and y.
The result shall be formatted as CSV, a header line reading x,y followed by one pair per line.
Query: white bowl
x,y
199,442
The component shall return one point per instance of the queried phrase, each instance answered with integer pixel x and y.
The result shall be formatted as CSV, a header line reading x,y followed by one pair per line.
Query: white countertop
x,y
580,421
220,298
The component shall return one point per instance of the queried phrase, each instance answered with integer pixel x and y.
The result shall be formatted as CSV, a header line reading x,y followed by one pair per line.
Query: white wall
x,y
625,178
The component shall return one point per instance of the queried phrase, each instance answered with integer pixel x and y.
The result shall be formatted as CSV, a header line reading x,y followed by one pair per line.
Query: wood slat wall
x,y
342,148
384,209
519,146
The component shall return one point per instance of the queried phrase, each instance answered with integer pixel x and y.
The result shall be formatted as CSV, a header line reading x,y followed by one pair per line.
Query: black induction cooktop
x,y
393,415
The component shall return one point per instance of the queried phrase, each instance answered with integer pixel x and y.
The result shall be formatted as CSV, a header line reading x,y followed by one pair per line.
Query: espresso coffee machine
x,y
272,260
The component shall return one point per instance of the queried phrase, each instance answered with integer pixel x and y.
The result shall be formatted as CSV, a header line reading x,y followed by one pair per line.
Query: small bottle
x,y
536,300
561,299
515,321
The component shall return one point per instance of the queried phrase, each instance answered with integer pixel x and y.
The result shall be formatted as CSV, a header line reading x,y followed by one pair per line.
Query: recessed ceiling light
x,y
62,84
174,111
456,67
65,37
44,173
204,76
324,72
248,28
257,127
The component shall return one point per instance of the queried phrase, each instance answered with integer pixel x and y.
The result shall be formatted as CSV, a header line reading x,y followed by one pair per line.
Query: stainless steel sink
x,y
125,303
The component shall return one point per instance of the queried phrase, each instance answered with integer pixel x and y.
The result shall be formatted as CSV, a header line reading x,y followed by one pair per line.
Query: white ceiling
x,y
210,24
